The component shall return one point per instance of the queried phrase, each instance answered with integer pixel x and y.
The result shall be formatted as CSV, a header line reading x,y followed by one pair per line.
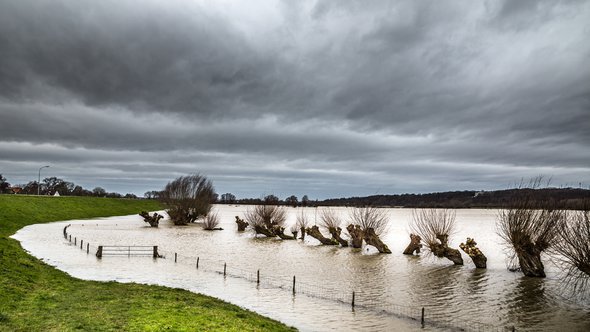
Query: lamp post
x,y
39,180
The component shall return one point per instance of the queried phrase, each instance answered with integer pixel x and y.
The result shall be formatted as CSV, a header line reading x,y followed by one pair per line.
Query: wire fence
x,y
431,316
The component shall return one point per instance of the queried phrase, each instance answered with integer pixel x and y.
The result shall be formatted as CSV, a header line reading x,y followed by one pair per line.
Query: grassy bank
x,y
37,297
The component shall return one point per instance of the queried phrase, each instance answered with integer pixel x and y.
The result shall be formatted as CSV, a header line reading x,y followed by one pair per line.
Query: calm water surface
x,y
388,288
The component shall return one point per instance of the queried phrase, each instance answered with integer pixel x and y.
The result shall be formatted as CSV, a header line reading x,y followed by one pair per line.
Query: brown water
x,y
390,290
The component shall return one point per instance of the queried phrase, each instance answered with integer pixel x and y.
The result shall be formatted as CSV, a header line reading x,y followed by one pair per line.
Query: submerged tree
x,y
368,224
268,220
211,222
302,223
435,226
529,228
471,249
330,221
414,246
153,220
188,198
572,250
241,224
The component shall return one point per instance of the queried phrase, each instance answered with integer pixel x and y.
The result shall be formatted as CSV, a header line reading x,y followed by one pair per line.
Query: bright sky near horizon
x,y
325,98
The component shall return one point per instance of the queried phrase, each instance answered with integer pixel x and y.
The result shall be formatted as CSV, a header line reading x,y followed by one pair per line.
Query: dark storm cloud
x,y
325,97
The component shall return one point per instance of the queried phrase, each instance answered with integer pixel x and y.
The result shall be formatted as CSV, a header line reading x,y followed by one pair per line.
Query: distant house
x,y
16,190
56,193
479,193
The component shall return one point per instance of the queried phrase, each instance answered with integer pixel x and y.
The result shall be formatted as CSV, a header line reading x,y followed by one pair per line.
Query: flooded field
x,y
390,290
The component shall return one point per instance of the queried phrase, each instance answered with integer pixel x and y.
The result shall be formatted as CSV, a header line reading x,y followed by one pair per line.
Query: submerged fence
x,y
430,316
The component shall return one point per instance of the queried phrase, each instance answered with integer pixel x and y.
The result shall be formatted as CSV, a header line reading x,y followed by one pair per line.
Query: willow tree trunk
x,y
471,249
241,224
414,245
314,232
443,251
264,231
530,263
335,232
280,232
356,235
373,239
302,233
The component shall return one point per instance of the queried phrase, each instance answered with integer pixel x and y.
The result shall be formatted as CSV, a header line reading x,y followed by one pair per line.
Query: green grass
x,y
37,297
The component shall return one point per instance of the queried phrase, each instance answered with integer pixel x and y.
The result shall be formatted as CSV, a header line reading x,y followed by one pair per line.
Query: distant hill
x,y
563,198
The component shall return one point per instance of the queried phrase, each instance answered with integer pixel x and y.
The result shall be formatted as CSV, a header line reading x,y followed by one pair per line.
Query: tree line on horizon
x,y
52,185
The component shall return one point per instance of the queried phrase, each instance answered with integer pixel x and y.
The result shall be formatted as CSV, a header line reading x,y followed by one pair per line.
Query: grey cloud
x,y
335,97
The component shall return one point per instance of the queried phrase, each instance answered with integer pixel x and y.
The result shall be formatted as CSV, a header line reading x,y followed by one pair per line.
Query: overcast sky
x,y
325,98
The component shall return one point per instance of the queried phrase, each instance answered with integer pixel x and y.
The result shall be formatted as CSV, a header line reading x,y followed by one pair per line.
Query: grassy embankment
x,y
37,297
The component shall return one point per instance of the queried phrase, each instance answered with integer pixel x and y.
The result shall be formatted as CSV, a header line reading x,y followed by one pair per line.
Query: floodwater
x,y
390,290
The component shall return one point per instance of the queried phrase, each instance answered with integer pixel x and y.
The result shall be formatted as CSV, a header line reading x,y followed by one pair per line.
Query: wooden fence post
x,y
175,257
70,240
197,263
353,299
81,243
422,318
155,253
224,268
258,277
99,252
75,241
87,247
293,285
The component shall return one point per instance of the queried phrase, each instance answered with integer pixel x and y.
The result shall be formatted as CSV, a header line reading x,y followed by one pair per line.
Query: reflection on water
x,y
400,285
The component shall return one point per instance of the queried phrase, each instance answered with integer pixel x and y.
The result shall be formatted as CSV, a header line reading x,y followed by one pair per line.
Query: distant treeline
x,y
559,198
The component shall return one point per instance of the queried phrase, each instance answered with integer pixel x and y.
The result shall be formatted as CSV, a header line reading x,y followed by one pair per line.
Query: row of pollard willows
x,y
366,224
434,227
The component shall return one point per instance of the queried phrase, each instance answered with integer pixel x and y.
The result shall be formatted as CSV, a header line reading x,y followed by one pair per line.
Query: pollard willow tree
x,y
368,223
188,198
435,227
529,228
268,220
330,221
572,250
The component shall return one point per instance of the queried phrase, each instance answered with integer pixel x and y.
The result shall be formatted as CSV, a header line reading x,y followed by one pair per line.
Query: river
x,y
390,290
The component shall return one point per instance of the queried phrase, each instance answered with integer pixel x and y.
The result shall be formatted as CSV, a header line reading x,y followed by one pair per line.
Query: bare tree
x,y
435,226
572,250
188,198
211,222
153,220
368,223
302,223
268,220
330,221
528,228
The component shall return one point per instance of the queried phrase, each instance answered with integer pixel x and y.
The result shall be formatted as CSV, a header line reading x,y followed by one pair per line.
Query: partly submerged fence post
x,y
70,240
99,252
75,241
155,253
197,263
87,248
258,277
81,243
353,299
293,285
422,318
175,257
224,268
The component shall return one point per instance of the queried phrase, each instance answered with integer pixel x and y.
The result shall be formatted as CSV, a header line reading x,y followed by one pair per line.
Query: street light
x,y
39,180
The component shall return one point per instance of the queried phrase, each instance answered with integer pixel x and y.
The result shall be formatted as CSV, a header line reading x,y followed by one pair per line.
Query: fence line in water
x,y
425,315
